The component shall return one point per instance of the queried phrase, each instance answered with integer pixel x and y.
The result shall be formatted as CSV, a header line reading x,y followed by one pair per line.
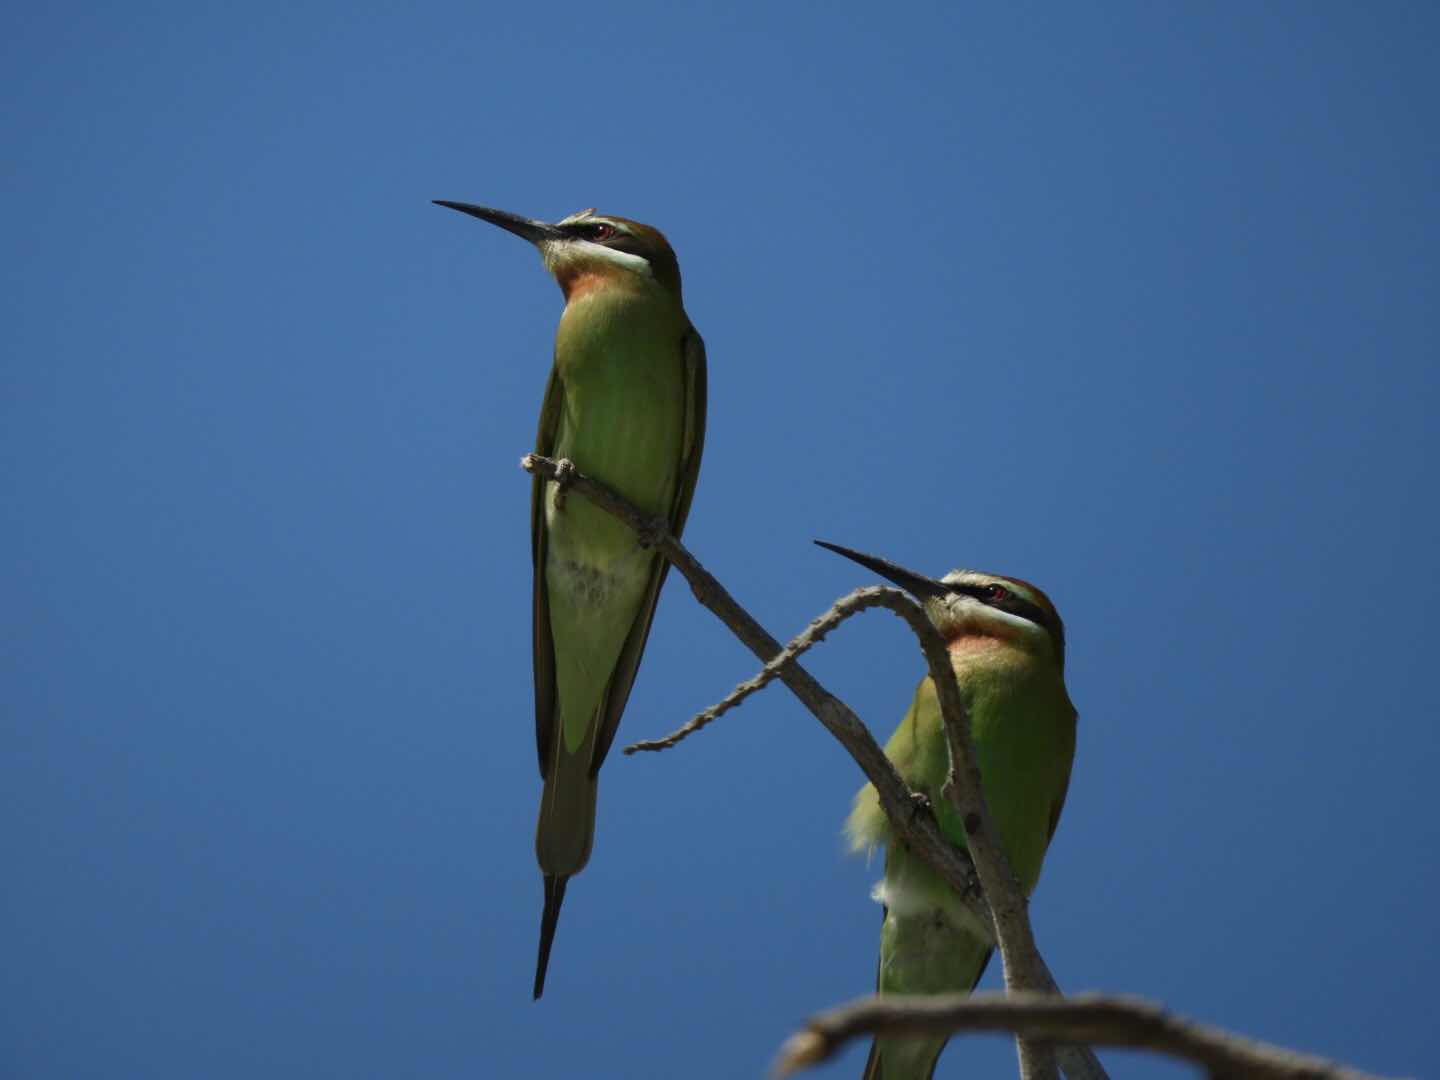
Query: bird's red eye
x,y
996,592
602,231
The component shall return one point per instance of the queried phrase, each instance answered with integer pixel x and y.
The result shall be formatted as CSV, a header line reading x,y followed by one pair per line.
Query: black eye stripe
x,y
587,230
1023,608
607,234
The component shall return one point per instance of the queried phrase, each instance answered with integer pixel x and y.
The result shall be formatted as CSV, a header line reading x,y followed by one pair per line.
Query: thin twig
x,y
1099,1019
848,605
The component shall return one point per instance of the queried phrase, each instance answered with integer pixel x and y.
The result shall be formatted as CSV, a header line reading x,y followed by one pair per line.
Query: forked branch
x,y
1031,1008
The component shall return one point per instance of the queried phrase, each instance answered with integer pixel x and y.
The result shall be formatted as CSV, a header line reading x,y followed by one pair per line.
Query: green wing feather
x,y
692,443
544,644
623,677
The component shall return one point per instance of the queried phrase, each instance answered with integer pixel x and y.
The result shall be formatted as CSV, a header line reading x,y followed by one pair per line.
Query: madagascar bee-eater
x,y
1007,649
626,404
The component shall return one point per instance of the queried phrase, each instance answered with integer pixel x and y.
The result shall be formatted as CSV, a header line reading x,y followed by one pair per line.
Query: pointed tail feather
x,y
563,837
549,919
566,826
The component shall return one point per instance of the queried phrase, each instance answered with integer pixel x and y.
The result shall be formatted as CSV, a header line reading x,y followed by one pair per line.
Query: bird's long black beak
x,y
917,585
534,231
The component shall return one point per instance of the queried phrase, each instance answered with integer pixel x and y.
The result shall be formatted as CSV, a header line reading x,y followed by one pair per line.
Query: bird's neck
x,y
595,280
581,284
606,304
996,659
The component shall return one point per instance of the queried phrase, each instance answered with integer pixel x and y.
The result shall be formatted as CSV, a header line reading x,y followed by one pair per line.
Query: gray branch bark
x,y
1032,995
917,826
1097,1019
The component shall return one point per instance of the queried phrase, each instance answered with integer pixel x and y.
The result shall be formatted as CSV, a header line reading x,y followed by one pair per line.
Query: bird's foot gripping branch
x,y
564,470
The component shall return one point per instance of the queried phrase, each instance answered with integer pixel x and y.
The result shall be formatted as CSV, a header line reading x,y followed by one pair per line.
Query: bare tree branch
x,y
1225,1055
1098,1019
914,824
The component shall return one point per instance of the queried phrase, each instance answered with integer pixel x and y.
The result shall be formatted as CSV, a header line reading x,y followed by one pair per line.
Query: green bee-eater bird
x,y
1007,648
626,403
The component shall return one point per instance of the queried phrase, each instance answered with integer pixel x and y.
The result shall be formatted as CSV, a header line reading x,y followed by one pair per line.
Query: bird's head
x,y
590,247
970,603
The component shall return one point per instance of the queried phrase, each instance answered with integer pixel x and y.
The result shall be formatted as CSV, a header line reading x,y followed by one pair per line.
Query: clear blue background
x,y
1137,301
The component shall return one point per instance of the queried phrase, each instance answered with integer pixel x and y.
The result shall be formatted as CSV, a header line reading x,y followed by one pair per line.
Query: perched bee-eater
x,y
626,403
1007,649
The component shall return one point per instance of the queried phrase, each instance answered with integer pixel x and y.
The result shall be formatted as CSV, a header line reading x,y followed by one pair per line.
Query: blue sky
x,y
1135,301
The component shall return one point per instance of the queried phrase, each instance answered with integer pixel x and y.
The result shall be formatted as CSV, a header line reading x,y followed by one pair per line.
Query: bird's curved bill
x,y
917,585
535,231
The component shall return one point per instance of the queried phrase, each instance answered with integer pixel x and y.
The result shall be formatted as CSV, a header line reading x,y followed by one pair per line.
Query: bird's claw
x,y
564,470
